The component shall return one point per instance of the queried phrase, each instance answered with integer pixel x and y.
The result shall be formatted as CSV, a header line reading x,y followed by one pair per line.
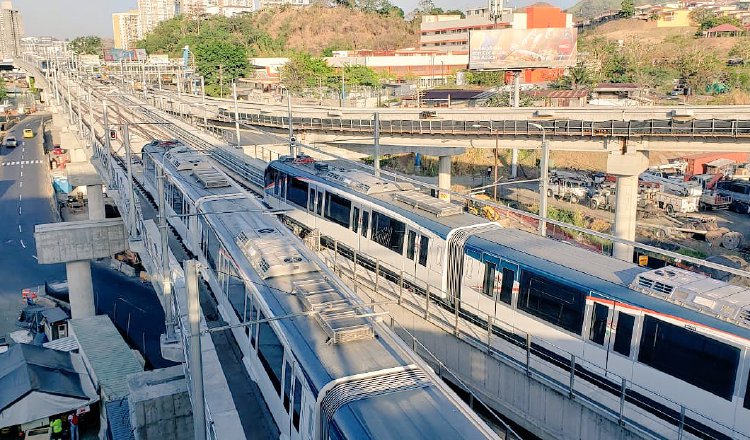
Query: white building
x,y
11,31
153,12
125,27
216,7
272,3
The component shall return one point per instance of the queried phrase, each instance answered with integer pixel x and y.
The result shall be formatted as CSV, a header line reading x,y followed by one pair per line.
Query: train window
x,y
411,242
338,209
623,334
297,406
506,287
270,179
553,302
365,223
388,232
277,182
355,220
424,244
287,385
598,323
283,180
271,354
697,359
488,285
319,208
297,192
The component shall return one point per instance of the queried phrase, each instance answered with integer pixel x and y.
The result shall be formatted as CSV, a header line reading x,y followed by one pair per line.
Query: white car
x,y
11,142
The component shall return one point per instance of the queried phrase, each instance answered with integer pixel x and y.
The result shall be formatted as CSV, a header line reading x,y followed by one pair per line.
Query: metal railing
x,y
625,402
710,128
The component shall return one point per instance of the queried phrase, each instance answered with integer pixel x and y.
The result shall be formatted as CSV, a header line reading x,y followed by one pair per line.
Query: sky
x,y
73,18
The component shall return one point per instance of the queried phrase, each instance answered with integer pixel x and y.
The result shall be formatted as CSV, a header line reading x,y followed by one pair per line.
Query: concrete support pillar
x,y
444,177
626,203
627,165
80,288
517,88
95,194
514,163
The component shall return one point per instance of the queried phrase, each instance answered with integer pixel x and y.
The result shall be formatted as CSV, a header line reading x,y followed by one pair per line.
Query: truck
x,y
568,189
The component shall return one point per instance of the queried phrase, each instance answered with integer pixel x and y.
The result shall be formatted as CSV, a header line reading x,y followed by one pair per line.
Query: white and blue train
x,y
680,340
327,367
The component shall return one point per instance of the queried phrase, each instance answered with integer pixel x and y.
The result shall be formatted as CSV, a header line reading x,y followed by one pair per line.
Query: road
x,y
24,202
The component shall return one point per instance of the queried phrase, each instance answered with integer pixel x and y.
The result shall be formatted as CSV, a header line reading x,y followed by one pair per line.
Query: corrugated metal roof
x,y
118,418
720,162
62,344
107,354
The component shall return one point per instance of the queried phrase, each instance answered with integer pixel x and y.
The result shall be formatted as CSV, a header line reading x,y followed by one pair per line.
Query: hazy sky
x,y
72,18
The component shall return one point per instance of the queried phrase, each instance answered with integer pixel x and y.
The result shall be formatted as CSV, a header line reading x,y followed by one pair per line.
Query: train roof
x,y
324,361
606,276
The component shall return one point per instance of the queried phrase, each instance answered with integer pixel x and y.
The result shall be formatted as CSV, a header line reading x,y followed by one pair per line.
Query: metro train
x,y
327,367
680,340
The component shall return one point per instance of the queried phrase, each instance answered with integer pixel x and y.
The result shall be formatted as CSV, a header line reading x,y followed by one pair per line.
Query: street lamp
x,y
543,180
497,142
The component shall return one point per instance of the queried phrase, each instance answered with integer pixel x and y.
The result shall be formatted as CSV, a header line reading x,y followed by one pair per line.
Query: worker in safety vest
x,y
57,428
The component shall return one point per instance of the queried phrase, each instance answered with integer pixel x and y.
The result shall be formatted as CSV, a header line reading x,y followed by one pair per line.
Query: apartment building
x,y
125,26
11,30
153,12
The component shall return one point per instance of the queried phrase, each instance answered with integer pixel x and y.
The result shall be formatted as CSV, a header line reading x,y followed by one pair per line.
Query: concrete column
x,y
627,167
80,288
514,163
444,177
95,194
626,201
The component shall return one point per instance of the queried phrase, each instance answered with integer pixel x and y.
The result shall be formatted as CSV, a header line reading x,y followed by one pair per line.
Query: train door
x,y
507,288
621,345
410,263
364,231
312,198
293,401
355,224
423,252
597,338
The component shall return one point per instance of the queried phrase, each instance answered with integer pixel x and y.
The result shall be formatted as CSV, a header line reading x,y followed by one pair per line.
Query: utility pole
x,y
236,113
196,360
132,231
292,141
377,144
165,270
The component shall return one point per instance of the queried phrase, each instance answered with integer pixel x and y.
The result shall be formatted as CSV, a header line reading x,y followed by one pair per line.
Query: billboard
x,y
511,49
127,55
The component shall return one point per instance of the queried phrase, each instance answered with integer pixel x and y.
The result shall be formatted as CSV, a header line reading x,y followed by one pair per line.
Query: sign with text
x,y
512,49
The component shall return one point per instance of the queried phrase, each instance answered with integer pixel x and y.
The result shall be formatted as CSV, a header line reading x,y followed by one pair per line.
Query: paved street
x,y
24,202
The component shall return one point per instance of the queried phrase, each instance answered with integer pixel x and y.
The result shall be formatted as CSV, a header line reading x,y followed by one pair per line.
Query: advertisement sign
x,y
158,59
511,49
89,60
116,55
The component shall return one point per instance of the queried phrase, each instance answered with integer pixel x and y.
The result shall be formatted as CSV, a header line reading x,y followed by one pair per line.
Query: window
x,y
424,244
551,301
746,404
411,241
355,220
319,209
697,359
488,285
271,354
623,334
598,323
338,209
388,232
297,406
270,179
365,223
506,287
287,385
297,193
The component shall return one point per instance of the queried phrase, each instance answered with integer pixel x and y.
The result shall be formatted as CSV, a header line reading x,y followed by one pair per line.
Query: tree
x,y
220,61
89,45
707,19
627,8
3,89
304,71
361,76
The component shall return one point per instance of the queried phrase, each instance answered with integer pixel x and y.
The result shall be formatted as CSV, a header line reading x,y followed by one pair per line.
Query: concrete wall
x,y
160,405
74,241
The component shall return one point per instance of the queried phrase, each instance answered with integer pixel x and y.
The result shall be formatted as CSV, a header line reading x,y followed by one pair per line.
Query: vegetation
x,y
381,7
89,45
3,89
707,19
486,79
627,8
304,71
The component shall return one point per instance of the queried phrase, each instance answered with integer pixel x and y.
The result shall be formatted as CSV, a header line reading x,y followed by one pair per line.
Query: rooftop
x,y
107,356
